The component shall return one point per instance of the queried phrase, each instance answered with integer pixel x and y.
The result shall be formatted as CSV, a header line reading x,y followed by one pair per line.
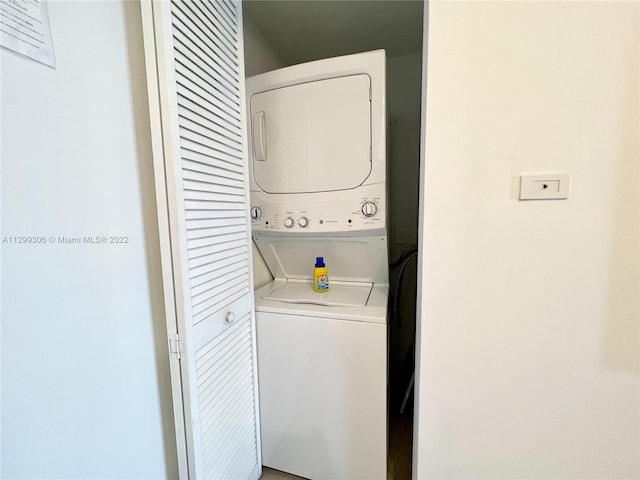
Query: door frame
x,y
420,267
153,65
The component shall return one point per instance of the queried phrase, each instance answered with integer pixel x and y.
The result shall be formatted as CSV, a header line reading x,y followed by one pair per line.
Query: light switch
x,y
552,186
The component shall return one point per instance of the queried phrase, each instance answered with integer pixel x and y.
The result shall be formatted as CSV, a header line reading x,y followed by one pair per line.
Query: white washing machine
x,y
318,188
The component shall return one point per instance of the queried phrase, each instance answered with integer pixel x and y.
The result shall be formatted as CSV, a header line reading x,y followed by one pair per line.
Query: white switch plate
x,y
551,186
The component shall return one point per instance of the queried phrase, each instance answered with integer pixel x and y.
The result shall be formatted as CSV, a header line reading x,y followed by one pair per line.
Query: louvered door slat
x,y
208,297
217,108
218,185
224,28
222,434
213,235
184,64
196,38
223,179
216,262
193,121
207,154
208,129
212,274
232,293
195,46
220,210
204,291
215,9
200,86
229,11
209,222
193,160
216,408
213,196
223,128
196,238
203,263
222,241
207,301
193,169
229,129
201,136
202,190
216,403
212,33
232,432
222,24
221,275
219,450
219,392
214,367
235,434
201,283
200,78
204,36
215,39
203,182
241,470
207,306
190,70
216,112
201,257
213,383
199,205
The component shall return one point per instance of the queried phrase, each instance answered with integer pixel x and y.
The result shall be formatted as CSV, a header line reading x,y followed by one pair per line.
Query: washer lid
x,y
312,137
340,294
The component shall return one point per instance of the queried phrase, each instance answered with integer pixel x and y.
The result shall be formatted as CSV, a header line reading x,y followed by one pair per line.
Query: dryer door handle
x,y
259,129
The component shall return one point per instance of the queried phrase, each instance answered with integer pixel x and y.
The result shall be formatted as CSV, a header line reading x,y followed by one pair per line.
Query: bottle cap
x,y
319,262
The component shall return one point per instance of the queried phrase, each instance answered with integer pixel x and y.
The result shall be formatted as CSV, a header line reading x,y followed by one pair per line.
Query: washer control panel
x,y
319,212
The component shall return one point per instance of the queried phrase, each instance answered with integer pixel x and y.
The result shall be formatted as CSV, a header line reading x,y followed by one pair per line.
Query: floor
x,y
400,444
398,461
271,474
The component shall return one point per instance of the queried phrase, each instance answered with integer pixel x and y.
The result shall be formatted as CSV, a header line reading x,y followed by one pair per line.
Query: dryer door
x,y
312,137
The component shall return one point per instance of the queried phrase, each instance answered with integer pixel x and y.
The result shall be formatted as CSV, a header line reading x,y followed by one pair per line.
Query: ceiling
x,y
304,30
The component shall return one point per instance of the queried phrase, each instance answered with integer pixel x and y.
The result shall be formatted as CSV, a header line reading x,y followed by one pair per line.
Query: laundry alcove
x,y
197,56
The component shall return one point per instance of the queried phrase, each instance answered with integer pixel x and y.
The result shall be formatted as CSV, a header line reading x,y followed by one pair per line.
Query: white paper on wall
x,y
25,29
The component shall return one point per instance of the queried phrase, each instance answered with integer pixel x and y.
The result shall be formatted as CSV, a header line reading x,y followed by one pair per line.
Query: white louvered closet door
x,y
200,86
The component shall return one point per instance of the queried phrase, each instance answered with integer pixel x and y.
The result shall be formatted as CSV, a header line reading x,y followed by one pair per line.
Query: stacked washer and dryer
x,y
318,188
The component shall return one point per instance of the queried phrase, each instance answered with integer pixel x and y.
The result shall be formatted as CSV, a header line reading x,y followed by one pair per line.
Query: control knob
x,y
369,209
303,222
256,213
288,222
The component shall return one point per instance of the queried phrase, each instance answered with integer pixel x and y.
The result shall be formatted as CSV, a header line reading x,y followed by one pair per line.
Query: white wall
x,y
529,361
259,57
84,392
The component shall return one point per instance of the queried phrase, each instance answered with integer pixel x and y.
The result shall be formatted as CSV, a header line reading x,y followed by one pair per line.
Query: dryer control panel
x,y
328,212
